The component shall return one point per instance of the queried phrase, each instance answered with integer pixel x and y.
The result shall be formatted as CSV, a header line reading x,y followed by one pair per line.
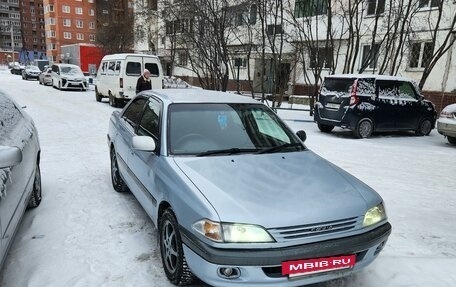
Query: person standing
x,y
144,82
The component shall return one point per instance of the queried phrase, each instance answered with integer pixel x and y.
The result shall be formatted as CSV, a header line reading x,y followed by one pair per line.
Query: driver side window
x,y
150,121
133,113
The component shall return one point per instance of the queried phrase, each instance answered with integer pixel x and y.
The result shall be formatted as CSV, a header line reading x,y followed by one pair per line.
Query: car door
x,y
386,101
134,67
408,114
16,180
123,143
144,164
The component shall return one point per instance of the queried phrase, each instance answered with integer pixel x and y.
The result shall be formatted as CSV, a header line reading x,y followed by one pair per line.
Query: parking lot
x,y
86,234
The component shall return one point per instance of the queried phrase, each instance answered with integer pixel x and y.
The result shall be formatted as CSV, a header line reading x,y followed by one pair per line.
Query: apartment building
x,y
32,28
10,25
68,22
373,36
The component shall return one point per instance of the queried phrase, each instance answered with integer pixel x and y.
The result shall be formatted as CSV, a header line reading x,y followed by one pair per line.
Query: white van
x,y
118,74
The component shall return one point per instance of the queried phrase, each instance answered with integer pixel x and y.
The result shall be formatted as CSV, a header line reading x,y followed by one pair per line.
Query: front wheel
x,y
171,250
325,128
451,140
97,95
117,181
424,128
364,129
35,198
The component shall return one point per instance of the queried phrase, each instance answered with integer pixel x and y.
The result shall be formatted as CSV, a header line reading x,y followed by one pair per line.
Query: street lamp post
x,y
12,41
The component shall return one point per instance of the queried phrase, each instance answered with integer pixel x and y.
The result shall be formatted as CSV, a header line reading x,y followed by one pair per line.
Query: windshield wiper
x,y
281,147
227,151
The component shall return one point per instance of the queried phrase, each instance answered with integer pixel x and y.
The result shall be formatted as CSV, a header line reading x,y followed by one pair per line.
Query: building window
x,y
50,21
66,35
428,3
65,9
370,56
50,34
375,7
92,38
51,46
80,36
91,12
308,8
49,8
79,24
90,1
67,22
274,29
183,58
78,10
92,25
321,57
420,54
240,62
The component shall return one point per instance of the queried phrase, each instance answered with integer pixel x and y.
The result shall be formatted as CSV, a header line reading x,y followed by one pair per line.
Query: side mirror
x,y
9,156
143,143
301,135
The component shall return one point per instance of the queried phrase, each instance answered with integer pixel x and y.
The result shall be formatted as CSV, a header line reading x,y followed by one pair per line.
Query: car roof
x,y
369,76
198,96
123,56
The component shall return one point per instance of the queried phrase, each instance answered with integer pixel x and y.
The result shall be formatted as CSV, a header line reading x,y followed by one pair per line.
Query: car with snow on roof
x,y
370,103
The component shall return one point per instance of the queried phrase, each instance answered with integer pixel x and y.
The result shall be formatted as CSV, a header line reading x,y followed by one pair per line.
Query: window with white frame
x,y
309,8
67,22
78,10
49,8
50,34
420,54
91,12
375,7
90,1
67,35
92,38
80,36
51,46
240,62
321,57
428,3
50,21
79,24
66,9
370,56
92,25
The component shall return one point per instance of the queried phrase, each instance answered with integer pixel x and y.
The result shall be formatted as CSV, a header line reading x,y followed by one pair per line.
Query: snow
x,y
86,234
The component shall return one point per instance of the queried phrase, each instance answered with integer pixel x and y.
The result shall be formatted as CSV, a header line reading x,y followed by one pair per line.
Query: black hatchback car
x,y
369,103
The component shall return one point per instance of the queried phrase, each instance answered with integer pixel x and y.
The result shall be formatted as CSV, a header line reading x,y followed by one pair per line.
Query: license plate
x,y
332,106
317,265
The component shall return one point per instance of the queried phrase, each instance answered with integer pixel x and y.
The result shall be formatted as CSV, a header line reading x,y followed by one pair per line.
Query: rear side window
x,y
133,69
153,69
10,117
332,85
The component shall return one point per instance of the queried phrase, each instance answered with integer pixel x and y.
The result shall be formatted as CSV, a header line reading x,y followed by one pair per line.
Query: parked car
x,y
31,72
68,76
17,69
446,124
118,74
45,78
237,197
370,103
20,178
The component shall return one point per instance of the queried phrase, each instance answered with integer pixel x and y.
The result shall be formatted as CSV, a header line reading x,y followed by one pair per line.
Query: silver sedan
x,y
20,177
237,197
446,124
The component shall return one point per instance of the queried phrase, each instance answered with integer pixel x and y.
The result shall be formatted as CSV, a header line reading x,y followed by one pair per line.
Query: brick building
x,y
32,30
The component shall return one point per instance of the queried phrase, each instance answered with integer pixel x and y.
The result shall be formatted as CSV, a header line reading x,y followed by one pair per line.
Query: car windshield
x,y
215,129
34,69
71,71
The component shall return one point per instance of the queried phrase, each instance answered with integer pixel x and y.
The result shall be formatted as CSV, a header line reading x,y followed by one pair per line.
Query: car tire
x,y
117,182
172,252
425,127
364,128
451,140
325,128
35,197
97,95
60,86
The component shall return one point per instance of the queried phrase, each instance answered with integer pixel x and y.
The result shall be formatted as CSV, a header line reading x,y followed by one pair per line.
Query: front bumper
x,y
74,84
262,267
446,127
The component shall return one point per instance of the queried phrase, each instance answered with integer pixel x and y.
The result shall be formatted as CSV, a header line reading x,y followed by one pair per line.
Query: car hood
x,y
280,189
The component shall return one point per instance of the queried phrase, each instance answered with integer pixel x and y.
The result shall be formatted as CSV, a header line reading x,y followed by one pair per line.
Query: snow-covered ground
x,y
86,234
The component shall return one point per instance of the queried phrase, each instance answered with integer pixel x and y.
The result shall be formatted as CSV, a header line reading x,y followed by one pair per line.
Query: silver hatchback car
x,y
237,197
20,177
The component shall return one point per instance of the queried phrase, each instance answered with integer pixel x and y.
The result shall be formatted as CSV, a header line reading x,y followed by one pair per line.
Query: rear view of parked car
x,y
17,68
20,178
370,103
31,72
237,197
446,124
68,76
45,78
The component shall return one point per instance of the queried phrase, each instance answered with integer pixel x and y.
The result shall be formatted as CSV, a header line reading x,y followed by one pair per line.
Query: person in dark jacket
x,y
144,82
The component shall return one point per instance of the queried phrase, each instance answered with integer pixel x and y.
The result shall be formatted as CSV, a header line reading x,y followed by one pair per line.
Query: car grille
x,y
285,234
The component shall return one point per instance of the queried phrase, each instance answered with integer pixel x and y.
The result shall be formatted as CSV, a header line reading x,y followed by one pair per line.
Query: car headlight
x,y
374,215
232,232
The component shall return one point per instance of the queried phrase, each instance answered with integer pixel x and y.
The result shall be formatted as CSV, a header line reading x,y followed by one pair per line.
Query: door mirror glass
x,y
301,135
